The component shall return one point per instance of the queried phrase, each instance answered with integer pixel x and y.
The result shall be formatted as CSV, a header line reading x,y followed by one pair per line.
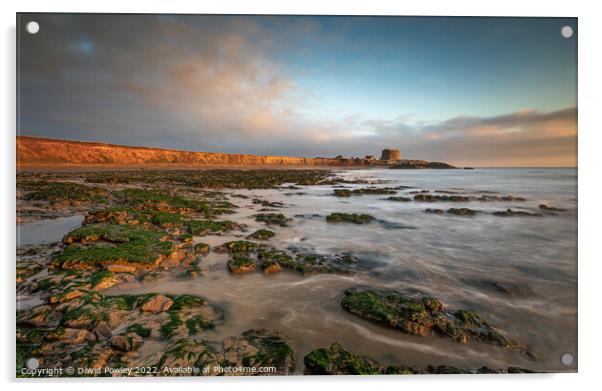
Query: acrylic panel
x,y
207,195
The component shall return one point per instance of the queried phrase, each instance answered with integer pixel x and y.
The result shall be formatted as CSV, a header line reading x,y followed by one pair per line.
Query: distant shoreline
x,y
37,153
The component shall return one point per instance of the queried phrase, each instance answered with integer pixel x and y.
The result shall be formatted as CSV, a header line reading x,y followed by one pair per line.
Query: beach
x,y
445,234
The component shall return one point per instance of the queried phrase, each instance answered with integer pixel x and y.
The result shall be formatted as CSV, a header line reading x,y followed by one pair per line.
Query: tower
x,y
390,154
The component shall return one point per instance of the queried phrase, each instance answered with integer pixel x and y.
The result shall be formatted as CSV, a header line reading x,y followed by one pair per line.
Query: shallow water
x,y
46,231
440,255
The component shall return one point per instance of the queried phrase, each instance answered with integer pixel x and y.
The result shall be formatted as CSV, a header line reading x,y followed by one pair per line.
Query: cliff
x,y
36,152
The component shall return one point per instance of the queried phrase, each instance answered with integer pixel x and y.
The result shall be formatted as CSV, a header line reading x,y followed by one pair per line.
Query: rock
x,y
272,219
462,211
255,348
342,192
513,213
117,268
262,234
126,342
397,198
26,269
186,238
67,296
273,260
509,197
338,361
420,315
272,268
238,246
445,370
201,249
258,348
420,164
363,191
547,208
267,204
40,317
116,318
174,231
103,331
84,317
71,336
188,352
247,255
519,370
349,218
156,304
97,358
241,263
434,211
174,259
437,197
106,281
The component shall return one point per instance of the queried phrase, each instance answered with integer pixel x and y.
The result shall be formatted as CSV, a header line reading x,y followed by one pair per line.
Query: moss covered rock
x,y
349,218
201,248
241,263
261,348
338,361
262,234
421,315
272,218
93,246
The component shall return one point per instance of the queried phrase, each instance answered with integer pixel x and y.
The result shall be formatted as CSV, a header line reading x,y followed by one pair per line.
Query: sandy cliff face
x,y
35,152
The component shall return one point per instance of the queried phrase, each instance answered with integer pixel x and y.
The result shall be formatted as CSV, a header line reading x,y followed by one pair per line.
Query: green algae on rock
x,y
238,246
215,178
363,191
355,218
248,354
122,244
421,315
336,360
272,218
201,248
247,255
398,198
267,204
270,348
105,330
56,192
209,227
515,213
262,234
435,198
462,211
241,263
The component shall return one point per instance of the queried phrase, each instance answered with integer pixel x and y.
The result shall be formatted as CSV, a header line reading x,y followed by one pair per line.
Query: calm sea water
x,y
441,255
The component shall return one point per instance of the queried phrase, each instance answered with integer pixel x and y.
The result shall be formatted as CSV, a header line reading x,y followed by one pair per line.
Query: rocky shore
x,y
152,225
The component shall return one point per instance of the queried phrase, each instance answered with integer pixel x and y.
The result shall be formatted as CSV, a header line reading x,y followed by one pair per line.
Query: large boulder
x,y
422,315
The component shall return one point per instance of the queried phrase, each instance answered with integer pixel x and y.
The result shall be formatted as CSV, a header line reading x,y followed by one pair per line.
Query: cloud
x,y
183,80
219,84
526,137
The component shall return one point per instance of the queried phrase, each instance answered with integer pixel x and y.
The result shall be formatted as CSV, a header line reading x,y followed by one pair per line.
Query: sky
x,y
467,91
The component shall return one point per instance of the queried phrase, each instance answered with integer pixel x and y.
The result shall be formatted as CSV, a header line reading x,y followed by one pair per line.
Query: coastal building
x,y
390,154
